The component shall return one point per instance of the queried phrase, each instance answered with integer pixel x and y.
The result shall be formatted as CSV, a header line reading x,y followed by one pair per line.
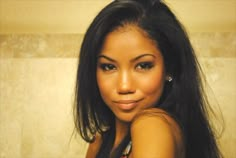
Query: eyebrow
x,y
106,57
132,60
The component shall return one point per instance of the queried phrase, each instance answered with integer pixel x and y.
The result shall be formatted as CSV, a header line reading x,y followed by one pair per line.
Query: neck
x,y
122,129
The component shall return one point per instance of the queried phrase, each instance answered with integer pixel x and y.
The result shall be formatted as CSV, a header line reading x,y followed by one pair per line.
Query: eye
x,y
144,66
107,67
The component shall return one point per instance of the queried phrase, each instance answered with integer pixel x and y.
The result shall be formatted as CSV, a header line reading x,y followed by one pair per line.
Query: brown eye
x,y
107,67
144,66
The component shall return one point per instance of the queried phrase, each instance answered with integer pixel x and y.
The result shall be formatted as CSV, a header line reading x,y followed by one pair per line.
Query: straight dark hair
x,y
183,98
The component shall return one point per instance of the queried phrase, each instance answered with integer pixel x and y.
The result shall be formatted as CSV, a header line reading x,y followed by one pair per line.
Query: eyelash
x,y
143,66
107,67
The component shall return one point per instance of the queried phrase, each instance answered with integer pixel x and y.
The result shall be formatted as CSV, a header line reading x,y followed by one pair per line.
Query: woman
x,y
139,92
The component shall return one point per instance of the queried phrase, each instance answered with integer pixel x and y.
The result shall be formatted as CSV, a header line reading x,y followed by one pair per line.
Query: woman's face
x,y
130,72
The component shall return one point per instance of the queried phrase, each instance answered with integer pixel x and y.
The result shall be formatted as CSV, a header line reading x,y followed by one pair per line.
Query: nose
x,y
125,83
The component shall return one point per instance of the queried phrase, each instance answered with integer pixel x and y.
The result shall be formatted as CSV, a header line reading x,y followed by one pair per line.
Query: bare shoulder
x,y
156,134
94,147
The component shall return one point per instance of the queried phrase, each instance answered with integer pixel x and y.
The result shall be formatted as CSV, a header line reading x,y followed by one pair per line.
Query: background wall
x,y
39,43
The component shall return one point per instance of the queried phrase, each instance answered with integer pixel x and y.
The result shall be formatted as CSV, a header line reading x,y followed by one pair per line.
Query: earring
x,y
169,78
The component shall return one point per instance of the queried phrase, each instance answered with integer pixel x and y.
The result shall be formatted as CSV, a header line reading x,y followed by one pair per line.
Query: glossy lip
x,y
127,104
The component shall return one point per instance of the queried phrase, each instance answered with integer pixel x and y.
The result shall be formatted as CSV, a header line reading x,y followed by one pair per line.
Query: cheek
x,y
152,84
104,85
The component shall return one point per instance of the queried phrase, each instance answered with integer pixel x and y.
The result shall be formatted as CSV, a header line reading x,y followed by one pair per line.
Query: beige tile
x,y
67,45
214,44
221,77
36,108
40,45
11,110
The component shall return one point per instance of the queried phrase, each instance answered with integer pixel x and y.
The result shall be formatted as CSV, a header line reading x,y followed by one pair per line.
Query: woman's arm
x,y
155,134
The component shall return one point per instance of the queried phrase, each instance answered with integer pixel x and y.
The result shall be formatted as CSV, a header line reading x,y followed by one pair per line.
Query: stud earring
x,y
169,78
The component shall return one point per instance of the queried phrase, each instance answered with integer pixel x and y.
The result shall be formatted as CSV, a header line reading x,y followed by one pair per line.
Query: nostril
x,y
125,83
125,88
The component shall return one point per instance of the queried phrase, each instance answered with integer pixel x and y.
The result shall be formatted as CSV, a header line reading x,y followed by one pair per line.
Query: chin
x,y
126,118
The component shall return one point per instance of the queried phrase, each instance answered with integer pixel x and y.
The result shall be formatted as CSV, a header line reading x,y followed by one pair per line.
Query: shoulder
x,y
94,147
156,134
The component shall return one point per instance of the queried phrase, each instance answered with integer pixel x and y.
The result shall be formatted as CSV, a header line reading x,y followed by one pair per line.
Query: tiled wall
x,y
37,82
37,76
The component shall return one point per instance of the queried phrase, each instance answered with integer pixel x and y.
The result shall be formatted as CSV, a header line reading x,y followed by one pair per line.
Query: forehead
x,y
128,38
131,31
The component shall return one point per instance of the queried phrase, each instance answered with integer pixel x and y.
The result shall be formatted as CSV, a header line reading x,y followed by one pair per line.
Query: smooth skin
x,y
131,77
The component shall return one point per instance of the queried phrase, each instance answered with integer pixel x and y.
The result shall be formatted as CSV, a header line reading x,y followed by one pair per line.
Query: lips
x,y
127,104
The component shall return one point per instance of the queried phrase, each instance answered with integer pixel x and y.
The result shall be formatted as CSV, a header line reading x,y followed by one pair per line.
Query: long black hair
x,y
183,98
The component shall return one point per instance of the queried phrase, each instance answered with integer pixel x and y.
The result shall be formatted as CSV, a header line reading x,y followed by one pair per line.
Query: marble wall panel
x,y
39,45
67,45
221,76
36,109
214,44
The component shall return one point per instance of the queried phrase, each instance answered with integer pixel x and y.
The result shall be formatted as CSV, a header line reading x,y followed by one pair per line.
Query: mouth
x,y
127,104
